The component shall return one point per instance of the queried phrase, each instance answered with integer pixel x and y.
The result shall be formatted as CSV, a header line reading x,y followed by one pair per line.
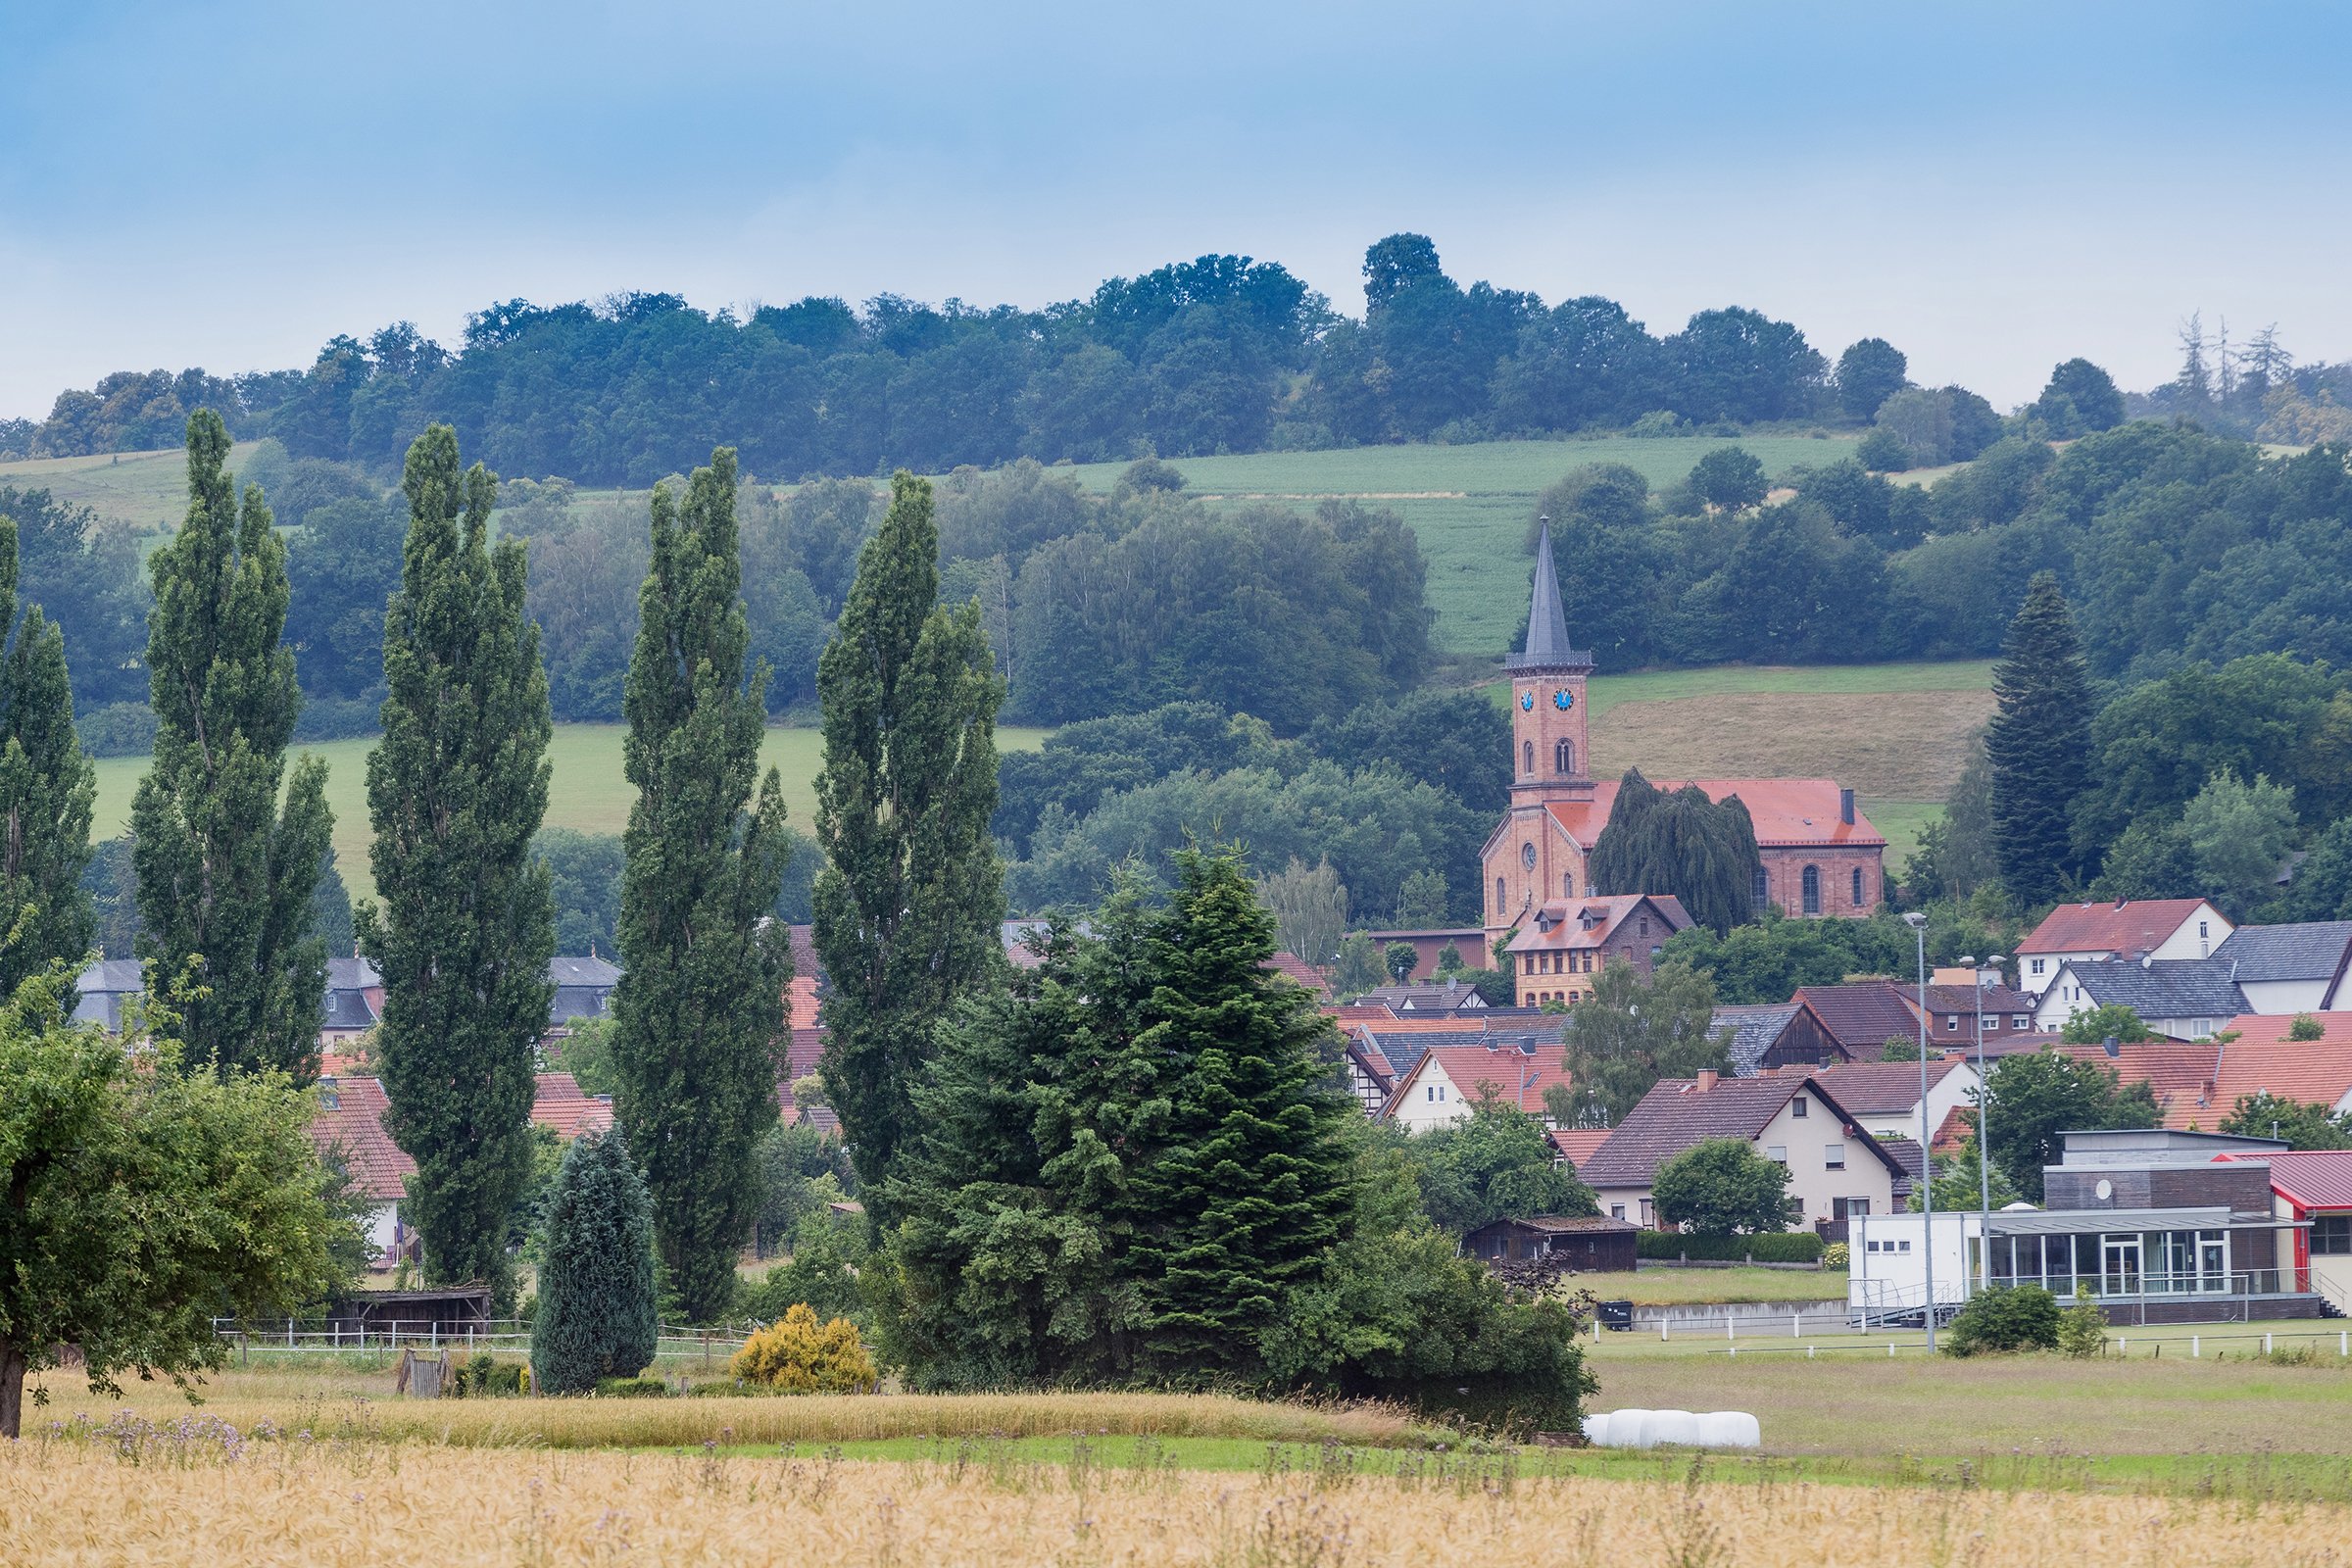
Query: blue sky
x,y
1991,186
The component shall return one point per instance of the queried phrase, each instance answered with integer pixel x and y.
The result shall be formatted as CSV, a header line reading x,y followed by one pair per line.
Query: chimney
x,y
1845,807
1706,1079
2112,1047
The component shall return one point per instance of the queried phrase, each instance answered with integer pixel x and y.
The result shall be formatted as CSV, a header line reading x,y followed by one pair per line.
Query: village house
x,y
1448,1081
1884,1096
2136,928
1429,945
1776,1034
1821,857
1836,1168
2187,999
1953,1012
1562,949
2289,968
1861,1017
354,1001
1440,999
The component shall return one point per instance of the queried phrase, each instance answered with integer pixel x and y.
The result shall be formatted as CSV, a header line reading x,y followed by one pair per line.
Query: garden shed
x,y
1587,1243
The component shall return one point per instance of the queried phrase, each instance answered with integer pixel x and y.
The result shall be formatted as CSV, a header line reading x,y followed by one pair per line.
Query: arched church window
x,y
1763,890
1499,896
1858,887
1563,757
1527,757
1812,890
1567,884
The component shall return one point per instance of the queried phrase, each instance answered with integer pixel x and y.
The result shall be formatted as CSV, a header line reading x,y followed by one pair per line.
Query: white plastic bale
x,y
1678,1426
1597,1430
1730,1429
1634,1427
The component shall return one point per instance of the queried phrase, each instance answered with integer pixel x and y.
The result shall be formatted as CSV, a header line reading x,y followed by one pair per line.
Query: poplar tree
x,y
910,899
47,787
455,792
704,963
2039,745
226,876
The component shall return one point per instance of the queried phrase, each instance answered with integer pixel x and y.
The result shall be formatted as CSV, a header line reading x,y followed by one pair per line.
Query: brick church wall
x,y
1784,878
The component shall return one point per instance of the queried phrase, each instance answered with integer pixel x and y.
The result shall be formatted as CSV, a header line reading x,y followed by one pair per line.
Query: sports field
x,y
1467,505
588,791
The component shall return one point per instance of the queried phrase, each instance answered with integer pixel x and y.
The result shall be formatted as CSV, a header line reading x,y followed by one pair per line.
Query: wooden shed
x,y
1587,1243
422,1313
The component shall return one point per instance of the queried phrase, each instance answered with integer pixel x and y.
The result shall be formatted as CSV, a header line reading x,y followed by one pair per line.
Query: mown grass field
x,y
1468,505
1680,1287
147,488
588,791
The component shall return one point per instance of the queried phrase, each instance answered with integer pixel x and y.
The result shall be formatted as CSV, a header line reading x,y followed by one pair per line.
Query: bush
x,y
1836,1256
594,1320
2019,1317
1884,451
1771,1246
2083,1327
799,1355
631,1389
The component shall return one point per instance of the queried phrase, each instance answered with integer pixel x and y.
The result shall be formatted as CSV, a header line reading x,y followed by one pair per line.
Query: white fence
x,y
510,1335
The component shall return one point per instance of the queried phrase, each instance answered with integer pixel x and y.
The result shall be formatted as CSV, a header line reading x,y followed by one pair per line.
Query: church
x,y
1821,857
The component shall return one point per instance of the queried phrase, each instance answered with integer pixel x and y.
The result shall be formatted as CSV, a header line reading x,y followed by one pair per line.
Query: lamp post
x,y
1918,923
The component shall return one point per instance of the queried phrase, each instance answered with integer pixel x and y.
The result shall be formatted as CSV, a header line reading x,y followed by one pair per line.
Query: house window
x,y
1437,1093
1833,1156
1848,1208
1796,1107
1616,1211
1645,926
1563,757
1777,1154
1953,1022
1858,887
2331,1236
2202,932
1763,888
2037,967
1905,1246
1812,890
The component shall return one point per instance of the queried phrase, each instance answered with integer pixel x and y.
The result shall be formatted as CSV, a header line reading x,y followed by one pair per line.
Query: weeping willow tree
x,y
1700,851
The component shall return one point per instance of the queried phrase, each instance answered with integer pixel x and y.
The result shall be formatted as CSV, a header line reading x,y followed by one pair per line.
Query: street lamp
x,y
1983,1153
1918,923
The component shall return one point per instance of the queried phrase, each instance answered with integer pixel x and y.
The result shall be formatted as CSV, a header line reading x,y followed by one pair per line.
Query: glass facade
x,y
2127,1263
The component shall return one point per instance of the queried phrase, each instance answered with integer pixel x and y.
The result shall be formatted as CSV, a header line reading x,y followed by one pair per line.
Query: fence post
x,y
1809,1352
1796,1320
1889,1350
2266,1345
1729,1323
2193,1351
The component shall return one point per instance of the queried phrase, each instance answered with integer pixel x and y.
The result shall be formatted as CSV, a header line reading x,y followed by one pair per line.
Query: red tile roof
x,y
2179,1072
2125,929
800,1002
2316,1072
1363,1013
349,1130
1787,811
1862,1017
1579,1144
557,1105
2310,1179
1517,1078
1306,974
1578,923
1882,1088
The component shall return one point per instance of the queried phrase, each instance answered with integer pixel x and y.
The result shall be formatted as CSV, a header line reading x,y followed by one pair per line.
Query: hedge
x,y
1787,1247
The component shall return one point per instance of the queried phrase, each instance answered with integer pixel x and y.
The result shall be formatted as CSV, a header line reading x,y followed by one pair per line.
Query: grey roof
x,y
1753,1030
352,975
2163,988
1677,1113
2311,951
1548,645
105,986
1449,998
588,971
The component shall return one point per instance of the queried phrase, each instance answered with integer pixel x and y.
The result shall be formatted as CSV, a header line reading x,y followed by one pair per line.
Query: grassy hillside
x,y
147,488
1467,505
588,791
1895,733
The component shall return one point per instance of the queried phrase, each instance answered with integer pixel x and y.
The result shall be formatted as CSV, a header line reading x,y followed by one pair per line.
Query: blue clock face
x,y
1563,701
1527,702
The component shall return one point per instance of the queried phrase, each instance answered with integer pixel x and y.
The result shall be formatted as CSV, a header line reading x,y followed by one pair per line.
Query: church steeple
x,y
1547,646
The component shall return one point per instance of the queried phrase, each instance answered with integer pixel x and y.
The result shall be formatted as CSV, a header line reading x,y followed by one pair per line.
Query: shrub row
x,y
1789,1246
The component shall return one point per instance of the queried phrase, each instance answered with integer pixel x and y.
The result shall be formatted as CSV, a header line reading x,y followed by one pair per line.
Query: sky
x,y
1991,186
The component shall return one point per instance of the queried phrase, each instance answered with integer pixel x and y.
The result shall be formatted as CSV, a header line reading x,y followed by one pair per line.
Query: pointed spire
x,y
1547,646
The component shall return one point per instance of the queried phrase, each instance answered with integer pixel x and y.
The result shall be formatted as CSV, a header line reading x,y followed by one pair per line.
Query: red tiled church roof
x,y
1787,812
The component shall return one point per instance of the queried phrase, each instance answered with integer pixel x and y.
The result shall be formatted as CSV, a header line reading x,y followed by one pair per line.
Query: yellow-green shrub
x,y
801,1355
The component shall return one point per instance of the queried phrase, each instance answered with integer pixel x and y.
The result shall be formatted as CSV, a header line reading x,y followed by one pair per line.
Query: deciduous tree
x,y
225,875
1629,1033
705,965
2037,1096
455,791
1720,1187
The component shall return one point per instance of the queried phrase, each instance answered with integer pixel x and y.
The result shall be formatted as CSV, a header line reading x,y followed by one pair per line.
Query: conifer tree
x,y
2039,745
705,965
908,902
455,791
226,876
46,790
597,1315
1249,1187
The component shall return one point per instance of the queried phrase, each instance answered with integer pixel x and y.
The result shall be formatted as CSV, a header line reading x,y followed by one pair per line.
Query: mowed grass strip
x,y
77,1503
588,790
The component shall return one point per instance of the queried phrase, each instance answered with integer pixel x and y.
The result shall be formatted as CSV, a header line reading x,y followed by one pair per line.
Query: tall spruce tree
x,y
597,1315
2039,745
455,791
225,875
705,965
1250,1187
46,790
908,902
1703,851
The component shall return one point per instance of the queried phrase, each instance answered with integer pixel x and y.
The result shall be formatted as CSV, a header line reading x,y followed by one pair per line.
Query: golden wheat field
x,y
273,1504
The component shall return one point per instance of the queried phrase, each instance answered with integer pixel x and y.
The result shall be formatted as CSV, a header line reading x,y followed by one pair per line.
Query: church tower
x,y
1530,860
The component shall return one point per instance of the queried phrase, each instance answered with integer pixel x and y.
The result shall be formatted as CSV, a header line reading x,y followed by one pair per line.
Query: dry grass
x,y
360,1406
1905,746
77,1503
